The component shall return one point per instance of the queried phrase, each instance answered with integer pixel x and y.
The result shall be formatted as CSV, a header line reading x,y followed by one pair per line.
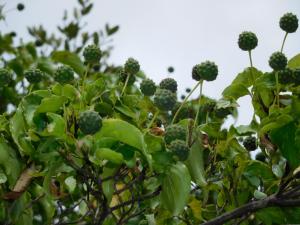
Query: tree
x,y
85,144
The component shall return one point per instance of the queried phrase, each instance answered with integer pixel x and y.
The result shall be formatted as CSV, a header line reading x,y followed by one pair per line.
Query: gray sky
x,y
180,33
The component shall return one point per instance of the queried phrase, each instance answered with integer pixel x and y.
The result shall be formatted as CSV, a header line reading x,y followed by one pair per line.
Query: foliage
x,y
82,144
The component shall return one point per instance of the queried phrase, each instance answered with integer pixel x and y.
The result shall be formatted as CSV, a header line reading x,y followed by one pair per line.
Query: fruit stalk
x,y
284,39
184,101
199,102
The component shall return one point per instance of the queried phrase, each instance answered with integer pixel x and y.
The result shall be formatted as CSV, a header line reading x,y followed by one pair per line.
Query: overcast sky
x,y
180,33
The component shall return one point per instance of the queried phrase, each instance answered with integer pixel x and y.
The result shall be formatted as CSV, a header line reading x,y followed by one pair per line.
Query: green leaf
x,y
176,186
3,177
108,185
259,169
294,62
56,127
70,59
70,183
154,143
245,77
235,91
270,216
51,104
18,132
195,164
275,123
287,138
124,132
47,203
10,162
111,30
110,155
259,195
20,213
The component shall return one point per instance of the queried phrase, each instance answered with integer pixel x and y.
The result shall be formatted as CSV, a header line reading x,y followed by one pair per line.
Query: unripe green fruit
x,y
250,143
169,84
148,87
38,43
205,71
164,99
34,75
260,157
285,76
123,76
5,77
179,149
170,69
185,112
247,41
20,7
174,132
296,76
89,122
132,66
277,61
289,23
92,54
223,112
209,107
13,34
96,67
64,74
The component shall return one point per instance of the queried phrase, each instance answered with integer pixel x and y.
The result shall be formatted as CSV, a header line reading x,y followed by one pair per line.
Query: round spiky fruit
x,y
179,149
92,54
132,66
247,41
185,112
207,71
64,74
38,43
250,143
285,76
169,84
148,87
260,157
34,75
171,69
278,61
223,112
89,122
5,77
209,107
13,34
296,76
289,22
123,76
20,7
164,99
174,132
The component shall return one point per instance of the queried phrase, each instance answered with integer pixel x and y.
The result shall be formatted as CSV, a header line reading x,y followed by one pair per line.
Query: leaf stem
x,y
184,101
284,39
199,102
251,66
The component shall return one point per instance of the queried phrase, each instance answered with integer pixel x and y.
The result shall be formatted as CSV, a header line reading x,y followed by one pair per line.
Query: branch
x,y
254,206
